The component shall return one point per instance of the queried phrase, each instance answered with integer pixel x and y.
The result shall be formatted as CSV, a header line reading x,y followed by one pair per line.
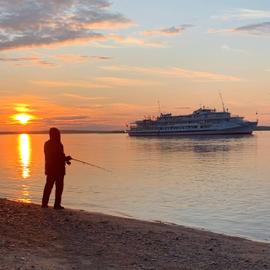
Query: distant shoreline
x,y
64,132
265,128
71,131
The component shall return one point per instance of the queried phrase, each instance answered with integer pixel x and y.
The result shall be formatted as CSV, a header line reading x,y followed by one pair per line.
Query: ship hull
x,y
241,130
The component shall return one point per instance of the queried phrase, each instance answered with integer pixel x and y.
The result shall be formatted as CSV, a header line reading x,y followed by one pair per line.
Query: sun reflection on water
x,y
24,194
25,154
24,150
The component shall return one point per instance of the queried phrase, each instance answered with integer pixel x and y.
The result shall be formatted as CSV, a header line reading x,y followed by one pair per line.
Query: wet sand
x,y
35,238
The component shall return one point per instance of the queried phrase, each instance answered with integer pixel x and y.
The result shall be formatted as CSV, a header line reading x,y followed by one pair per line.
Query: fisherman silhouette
x,y
55,168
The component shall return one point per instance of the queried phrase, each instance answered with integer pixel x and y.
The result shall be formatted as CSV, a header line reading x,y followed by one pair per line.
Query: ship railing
x,y
237,117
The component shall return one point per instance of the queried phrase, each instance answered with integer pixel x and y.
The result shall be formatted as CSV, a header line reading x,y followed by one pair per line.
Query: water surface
x,y
217,183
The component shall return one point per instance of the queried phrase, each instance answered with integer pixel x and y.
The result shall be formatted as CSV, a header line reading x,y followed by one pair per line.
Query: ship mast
x,y
159,109
221,98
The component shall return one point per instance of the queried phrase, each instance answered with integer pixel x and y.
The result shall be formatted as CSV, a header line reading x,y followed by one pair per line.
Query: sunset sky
x,y
98,64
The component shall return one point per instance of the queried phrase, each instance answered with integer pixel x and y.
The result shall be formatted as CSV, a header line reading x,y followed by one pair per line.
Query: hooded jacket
x,y
55,159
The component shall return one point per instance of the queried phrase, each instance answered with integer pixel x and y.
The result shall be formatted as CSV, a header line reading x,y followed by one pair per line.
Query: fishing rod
x,y
90,164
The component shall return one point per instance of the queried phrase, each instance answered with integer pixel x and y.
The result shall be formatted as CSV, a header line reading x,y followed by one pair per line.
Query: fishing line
x,y
92,165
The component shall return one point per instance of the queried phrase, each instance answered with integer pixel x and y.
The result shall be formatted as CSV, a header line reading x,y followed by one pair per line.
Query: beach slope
x,y
35,238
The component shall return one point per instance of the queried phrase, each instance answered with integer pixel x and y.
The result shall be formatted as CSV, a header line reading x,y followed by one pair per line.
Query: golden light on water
x,y
25,154
24,151
25,195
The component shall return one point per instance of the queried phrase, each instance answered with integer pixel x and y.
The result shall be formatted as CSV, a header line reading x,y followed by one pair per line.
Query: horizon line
x,y
63,131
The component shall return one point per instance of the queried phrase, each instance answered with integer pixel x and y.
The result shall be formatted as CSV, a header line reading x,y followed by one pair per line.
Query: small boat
x,y
203,121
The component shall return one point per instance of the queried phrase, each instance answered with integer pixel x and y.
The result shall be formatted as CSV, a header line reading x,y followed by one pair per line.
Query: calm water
x,y
217,183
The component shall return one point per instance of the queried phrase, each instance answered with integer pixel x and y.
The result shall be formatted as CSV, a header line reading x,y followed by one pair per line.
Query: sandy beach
x,y
35,238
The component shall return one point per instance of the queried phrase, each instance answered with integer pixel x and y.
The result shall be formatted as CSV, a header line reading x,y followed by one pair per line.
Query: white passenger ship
x,y
203,121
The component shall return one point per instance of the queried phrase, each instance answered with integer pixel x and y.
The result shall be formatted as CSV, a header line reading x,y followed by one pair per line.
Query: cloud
x,y
124,82
37,23
22,108
71,117
99,82
216,31
176,72
70,121
51,61
67,83
33,60
79,58
228,48
171,31
132,40
80,97
242,14
258,29
100,57
254,29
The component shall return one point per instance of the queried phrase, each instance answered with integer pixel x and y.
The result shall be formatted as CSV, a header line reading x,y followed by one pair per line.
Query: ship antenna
x,y
221,98
159,109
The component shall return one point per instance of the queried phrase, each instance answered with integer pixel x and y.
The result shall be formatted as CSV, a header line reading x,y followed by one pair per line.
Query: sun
x,y
23,118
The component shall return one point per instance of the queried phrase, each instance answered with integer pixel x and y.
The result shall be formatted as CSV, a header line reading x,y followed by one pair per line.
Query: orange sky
x,y
103,71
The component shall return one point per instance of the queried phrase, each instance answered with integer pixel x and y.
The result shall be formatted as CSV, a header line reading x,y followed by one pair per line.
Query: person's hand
x,y
68,159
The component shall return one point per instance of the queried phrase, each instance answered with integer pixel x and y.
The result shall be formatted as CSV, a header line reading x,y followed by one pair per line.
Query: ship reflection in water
x,y
24,150
196,145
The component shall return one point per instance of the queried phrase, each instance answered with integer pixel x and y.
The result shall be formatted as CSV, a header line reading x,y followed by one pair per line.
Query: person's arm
x,y
46,152
66,158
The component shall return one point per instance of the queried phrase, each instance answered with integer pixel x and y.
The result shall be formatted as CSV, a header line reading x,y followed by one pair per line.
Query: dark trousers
x,y
59,186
